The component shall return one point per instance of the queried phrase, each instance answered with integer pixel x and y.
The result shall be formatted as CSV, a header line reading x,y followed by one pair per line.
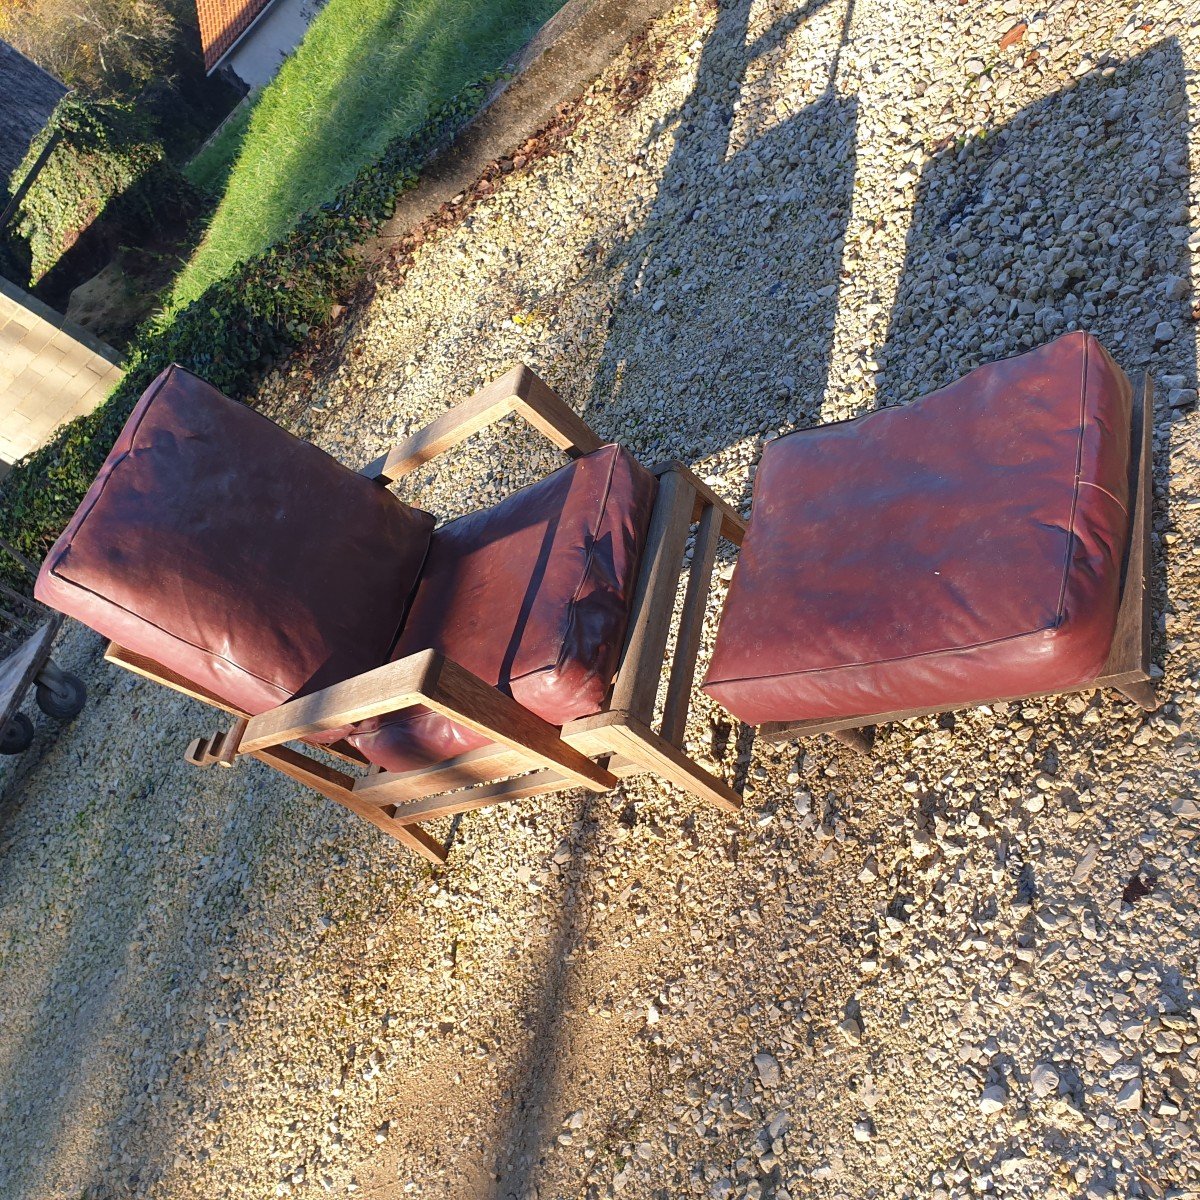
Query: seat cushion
x,y
234,554
533,595
963,548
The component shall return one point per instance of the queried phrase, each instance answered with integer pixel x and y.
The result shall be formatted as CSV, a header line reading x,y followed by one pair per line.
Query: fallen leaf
x,y
1135,889
1014,35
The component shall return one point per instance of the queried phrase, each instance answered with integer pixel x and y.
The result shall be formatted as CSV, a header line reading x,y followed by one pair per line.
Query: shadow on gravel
x,y
682,387
528,1127
980,256
89,974
771,289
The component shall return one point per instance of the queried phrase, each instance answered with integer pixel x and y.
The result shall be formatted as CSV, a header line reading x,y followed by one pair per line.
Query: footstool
x,y
971,546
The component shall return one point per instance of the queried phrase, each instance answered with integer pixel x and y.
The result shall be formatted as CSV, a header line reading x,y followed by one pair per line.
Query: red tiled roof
x,y
222,22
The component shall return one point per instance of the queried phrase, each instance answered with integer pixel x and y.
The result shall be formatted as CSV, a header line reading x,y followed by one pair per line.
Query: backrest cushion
x,y
234,554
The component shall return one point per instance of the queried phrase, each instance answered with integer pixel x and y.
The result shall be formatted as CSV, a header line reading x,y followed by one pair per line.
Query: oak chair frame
x,y
1127,669
525,756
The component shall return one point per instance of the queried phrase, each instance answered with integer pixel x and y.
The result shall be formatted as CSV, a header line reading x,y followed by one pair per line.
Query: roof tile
x,y
222,22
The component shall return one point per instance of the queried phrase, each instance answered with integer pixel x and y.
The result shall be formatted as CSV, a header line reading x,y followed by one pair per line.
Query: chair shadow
x,y
773,352
962,271
665,281
684,388
1002,281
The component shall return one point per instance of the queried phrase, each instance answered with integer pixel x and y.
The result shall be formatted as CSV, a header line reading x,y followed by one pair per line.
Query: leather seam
x,y
1066,574
69,581
284,693
944,652
949,650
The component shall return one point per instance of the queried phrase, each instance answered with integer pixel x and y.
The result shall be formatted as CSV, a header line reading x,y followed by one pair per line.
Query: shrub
x,y
230,335
107,162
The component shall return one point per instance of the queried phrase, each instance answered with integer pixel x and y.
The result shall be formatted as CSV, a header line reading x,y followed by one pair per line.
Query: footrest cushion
x,y
962,548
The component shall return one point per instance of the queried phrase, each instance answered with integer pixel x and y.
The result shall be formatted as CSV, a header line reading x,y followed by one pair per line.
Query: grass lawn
x,y
367,71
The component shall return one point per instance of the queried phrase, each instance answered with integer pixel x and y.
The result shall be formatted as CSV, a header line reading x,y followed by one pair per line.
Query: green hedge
x,y
109,163
231,334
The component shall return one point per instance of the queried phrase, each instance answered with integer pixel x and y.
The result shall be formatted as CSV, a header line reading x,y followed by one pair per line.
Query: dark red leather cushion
x,y
963,548
533,594
234,554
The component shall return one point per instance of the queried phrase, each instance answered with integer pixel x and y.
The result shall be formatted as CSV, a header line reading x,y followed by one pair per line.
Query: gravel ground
x,y
964,967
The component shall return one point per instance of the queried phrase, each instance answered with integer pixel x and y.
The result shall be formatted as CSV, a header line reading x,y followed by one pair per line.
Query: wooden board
x,y
19,670
520,391
733,524
147,668
432,680
631,741
654,599
691,623
486,764
337,786
1131,649
467,800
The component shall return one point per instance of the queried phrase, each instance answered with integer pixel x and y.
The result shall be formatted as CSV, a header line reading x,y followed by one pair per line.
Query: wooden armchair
x,y
507,750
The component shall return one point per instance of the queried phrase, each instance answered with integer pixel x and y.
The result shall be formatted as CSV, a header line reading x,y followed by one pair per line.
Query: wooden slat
x,y
396,685
787,731
733,524
330,782
434,681
553,418
26,601
13,552
203,752
622,734
691,623
518,390
20,622
483,765
639,742
1131,648
535,784
654,598
338,786
147,668
469,701
231,742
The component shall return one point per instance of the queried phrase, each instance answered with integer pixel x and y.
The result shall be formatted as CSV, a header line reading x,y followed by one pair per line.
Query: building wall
x,y
50,372
271,39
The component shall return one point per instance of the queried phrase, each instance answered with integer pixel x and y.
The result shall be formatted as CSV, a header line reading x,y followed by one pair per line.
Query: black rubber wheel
x,y
63,702
17,735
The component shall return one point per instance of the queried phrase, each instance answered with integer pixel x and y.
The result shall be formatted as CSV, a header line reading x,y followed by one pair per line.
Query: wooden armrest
x,y
430,679
733,524
518,390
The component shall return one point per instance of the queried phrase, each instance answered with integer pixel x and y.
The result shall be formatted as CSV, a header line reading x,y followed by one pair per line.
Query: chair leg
x,y
1141,692
620,734
862,739
338,786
